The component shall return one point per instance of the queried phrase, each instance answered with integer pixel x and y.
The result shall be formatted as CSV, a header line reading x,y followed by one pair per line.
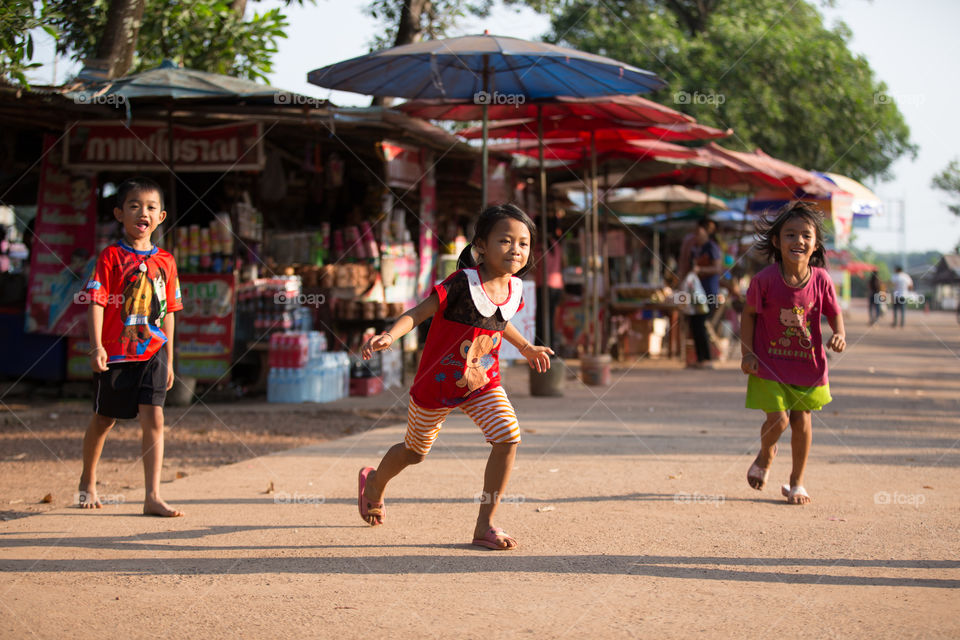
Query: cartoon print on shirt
x,y
144,304
478,361
797,325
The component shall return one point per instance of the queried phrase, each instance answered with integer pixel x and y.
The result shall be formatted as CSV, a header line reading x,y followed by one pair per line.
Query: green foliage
x,y
769,69
17,20
200,34
949,180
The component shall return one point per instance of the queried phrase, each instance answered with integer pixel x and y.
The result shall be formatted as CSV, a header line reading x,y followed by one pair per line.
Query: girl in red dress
x,y
460,367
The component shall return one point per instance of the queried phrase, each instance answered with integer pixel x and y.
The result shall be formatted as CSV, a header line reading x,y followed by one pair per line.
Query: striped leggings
x,y
490,410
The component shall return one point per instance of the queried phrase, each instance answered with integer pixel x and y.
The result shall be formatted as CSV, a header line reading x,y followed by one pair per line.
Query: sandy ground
x,y
629,502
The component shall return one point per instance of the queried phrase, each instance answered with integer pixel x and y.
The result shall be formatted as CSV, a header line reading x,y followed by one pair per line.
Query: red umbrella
x,y
741,171
576,149
577,126
859,268
633,109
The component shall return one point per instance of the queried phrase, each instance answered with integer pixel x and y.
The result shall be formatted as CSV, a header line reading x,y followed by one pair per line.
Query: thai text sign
x,y
145,146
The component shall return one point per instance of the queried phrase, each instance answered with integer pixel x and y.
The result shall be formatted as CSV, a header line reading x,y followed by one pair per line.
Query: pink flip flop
x,y
366,507
491,541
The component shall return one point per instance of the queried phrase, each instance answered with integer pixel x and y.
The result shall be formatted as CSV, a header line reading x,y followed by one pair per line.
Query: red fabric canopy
x,y
577,126
630,109
741,171
577,149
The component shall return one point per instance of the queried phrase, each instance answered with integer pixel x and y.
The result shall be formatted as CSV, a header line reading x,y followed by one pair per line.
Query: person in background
x,y
901,284
689,241
874,289
706,261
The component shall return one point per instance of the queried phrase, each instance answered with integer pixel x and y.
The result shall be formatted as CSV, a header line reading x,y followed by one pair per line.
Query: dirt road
x,y
629,502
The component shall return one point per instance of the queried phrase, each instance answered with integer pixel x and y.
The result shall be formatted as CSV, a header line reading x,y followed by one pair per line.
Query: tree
x,y
209,35
119,40
17,21
408,21
769,69
949,180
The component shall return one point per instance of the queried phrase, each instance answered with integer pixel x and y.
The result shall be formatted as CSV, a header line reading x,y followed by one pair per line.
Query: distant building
x,y
940,284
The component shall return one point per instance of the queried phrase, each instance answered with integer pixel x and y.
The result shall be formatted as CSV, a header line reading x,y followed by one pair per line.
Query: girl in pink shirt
x,y
781,343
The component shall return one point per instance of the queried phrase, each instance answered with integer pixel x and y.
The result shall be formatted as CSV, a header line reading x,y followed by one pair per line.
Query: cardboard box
x,y
366,386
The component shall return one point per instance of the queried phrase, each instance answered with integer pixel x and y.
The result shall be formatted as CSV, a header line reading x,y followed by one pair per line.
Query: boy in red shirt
x,y
134,293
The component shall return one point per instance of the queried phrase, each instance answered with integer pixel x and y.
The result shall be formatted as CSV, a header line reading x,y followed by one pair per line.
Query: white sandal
x,y
756,472
791,493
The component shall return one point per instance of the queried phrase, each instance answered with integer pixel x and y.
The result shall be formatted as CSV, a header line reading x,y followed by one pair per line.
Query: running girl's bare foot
x,y
157,507
87,497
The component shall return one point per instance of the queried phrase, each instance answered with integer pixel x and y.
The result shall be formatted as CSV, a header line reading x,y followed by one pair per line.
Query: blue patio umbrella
x,y
488,69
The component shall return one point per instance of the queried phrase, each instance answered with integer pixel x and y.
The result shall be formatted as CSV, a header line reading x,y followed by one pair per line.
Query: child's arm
x,y
839,341
748,359
404,325
538,357
168,326
98,355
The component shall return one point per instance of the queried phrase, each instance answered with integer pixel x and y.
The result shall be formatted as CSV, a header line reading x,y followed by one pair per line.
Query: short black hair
x,y
137,184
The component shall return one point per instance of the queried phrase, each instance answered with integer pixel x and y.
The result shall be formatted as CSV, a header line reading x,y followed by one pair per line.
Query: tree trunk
x,y
409,30
119,41
239,7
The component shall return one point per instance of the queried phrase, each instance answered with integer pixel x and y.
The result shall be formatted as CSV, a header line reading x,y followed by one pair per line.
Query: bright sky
x,y
912,46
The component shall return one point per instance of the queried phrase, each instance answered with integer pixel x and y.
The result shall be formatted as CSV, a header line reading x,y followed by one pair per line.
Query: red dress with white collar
x,y
461,357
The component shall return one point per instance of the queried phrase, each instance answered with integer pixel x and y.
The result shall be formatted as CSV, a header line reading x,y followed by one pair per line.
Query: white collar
x,y
488,307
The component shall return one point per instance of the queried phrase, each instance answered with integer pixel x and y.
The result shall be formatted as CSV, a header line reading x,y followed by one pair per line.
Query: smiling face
x,y
797,241
506,248
141,214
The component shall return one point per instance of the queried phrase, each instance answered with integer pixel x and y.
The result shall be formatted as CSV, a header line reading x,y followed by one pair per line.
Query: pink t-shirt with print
x,y
787,339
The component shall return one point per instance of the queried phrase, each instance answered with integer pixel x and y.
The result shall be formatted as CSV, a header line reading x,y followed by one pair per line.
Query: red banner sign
x,y
145,146
62,255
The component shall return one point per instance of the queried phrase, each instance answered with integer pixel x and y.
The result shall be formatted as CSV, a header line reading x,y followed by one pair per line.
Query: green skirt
x,y
770,396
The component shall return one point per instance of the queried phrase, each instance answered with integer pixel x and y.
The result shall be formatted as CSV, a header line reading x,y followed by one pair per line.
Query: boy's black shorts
x,y
118,391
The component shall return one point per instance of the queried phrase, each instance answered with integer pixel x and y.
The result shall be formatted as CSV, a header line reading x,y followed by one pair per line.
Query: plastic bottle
x,y
272,385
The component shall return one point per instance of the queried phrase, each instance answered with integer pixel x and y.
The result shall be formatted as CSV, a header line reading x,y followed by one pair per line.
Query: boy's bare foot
x,y
87,498
160,508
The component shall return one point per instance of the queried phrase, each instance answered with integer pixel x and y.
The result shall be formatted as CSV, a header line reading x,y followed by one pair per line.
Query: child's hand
x,y
169,375
98,359
538,357
376,343
749,364
838,343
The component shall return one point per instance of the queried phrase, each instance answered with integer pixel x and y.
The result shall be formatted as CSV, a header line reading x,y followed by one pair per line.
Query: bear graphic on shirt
x,y
795,326
478,361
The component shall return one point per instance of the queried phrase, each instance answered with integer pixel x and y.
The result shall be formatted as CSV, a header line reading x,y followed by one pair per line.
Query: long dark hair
x,y
769,225
485,224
